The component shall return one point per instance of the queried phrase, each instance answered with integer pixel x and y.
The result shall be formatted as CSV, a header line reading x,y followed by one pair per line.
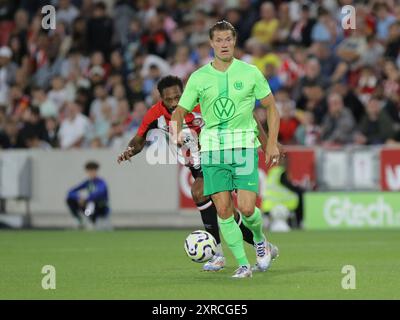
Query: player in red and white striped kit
x,y
158,117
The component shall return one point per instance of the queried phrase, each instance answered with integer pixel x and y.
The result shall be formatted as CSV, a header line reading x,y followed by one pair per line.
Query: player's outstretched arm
x,y
272,152
134,147
176,124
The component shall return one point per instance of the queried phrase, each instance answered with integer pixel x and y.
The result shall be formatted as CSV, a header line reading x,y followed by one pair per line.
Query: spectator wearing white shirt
x,y
117,138
41,100
7,73
101,98
74,127
74,61
67,12
58,93
144,61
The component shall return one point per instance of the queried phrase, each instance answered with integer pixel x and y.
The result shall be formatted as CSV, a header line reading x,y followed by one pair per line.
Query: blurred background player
x,y
88,201
159,116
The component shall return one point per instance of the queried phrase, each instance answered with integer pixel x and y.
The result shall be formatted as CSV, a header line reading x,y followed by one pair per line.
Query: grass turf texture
x,y
152,264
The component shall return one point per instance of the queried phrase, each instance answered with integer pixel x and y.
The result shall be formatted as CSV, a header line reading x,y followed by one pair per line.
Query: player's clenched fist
x,y
126,155
272,154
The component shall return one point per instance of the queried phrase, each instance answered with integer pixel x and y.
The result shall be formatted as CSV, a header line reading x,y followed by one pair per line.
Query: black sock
x,y
299,211
209,217
73,205
246,232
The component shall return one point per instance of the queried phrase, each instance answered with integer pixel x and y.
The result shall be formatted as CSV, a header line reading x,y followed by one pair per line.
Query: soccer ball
x,y
200,246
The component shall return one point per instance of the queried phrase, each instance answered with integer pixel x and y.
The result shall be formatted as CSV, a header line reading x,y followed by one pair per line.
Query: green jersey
x,y
227,101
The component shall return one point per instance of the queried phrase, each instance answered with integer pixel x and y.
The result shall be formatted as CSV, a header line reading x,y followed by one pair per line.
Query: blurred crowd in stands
x,y
89,82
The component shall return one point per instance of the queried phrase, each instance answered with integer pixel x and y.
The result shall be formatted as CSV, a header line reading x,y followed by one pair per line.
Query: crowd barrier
x,y
143,192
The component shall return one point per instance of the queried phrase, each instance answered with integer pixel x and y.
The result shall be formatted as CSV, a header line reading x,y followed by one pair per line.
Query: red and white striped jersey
x,y
158,117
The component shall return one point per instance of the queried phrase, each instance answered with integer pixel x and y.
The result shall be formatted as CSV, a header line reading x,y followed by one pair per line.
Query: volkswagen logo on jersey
x,y
224,108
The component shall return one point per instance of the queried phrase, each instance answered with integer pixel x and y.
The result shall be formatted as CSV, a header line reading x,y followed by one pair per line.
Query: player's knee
x,y
198,196
224,212
246,210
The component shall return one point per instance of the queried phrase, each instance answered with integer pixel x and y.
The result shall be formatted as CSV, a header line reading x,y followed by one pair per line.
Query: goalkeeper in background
x,y
226,89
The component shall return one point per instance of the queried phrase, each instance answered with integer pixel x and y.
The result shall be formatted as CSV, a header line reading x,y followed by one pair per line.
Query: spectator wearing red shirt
x,y
154,38
288,123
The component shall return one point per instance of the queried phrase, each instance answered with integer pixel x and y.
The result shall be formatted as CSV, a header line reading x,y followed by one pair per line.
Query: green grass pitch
x,y
152,264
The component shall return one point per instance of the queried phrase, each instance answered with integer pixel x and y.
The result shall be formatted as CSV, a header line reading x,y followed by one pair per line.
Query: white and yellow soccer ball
x,y
200,246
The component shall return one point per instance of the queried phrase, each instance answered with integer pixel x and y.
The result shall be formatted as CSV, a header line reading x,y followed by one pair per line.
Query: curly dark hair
x,y
169,81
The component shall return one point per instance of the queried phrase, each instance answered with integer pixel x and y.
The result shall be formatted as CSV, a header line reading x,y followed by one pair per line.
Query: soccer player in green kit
x,y
226,89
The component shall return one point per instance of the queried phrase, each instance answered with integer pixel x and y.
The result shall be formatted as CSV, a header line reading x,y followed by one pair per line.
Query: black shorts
x,y
196,172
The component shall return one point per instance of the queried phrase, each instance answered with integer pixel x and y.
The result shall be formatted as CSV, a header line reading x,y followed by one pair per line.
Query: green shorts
x,y
232,169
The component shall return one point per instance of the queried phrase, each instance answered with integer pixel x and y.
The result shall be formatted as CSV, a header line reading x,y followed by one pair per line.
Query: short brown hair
x,y
92,165
222,26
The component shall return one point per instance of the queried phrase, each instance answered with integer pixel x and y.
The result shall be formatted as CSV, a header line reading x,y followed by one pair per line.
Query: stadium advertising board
x,y
301,167
358,210
390,169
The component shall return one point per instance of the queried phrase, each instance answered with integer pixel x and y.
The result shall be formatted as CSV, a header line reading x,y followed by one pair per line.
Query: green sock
x,y
255,224
234,239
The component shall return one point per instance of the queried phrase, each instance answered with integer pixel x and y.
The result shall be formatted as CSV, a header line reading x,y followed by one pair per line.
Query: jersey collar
x,y
222,72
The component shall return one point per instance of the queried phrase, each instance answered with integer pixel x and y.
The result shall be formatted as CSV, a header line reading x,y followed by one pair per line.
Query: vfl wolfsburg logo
x,y
224,108
238,85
